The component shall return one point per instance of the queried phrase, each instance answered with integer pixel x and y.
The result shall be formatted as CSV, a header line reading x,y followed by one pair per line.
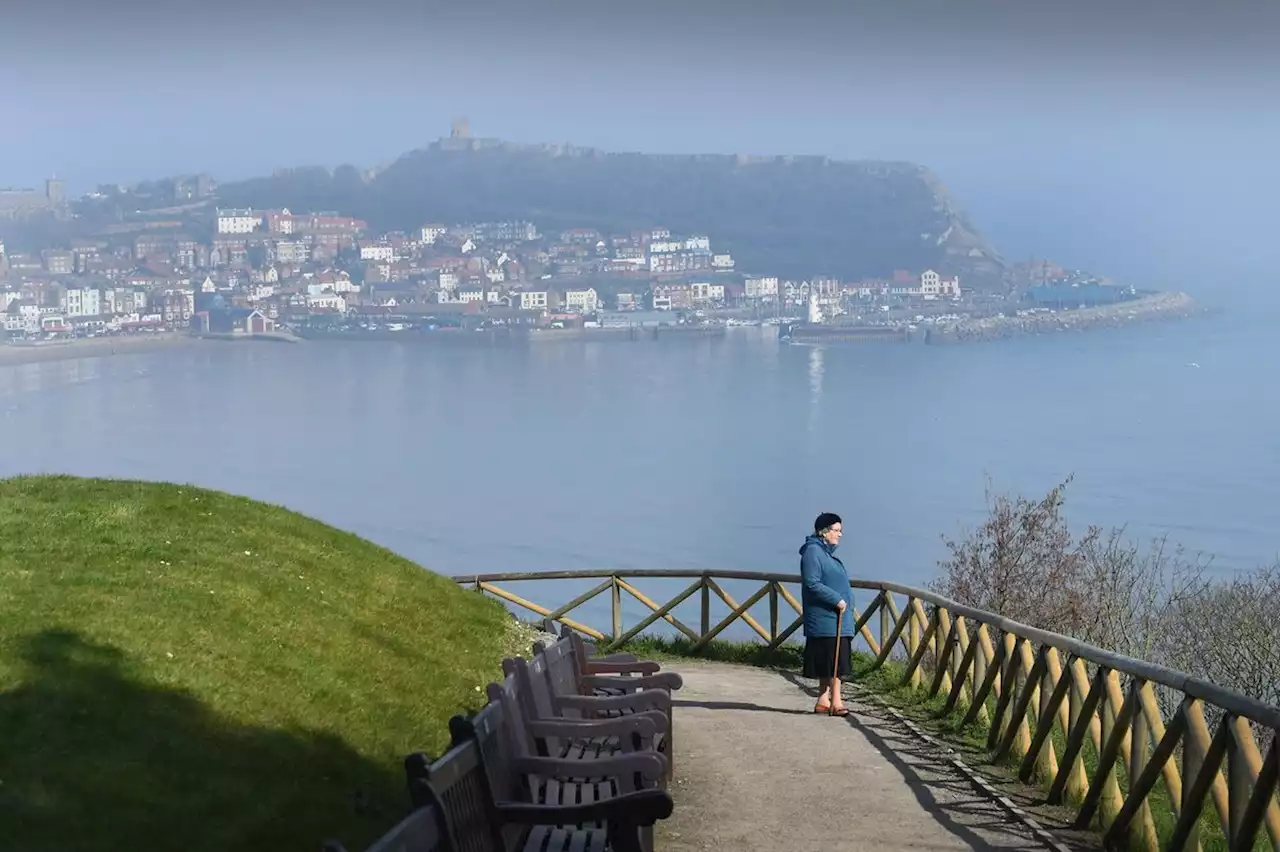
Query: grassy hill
x,y
185,669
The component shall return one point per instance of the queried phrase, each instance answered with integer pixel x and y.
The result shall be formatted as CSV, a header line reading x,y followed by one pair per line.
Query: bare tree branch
x,y
1157,603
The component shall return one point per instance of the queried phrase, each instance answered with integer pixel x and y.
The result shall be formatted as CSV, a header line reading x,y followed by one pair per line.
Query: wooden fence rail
x,y
1082,721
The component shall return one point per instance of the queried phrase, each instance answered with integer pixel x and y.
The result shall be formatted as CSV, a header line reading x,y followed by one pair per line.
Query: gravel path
x,y
757,770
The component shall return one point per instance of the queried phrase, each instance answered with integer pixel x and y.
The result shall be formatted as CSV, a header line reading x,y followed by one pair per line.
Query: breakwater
x,y
1159,306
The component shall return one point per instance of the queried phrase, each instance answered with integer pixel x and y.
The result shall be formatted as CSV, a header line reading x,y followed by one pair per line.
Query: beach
x,y
12,354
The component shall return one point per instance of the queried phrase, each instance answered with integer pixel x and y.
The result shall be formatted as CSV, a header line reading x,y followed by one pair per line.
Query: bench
x,y
570,662
596,749
590,663
482,788
539,731
421,831
515,781
540,699
571,694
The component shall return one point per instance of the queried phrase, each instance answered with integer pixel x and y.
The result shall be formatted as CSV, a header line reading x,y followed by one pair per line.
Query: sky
x,y
1136,138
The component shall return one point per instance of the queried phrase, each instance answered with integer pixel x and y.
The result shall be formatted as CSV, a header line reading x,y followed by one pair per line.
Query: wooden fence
x,y
1085,723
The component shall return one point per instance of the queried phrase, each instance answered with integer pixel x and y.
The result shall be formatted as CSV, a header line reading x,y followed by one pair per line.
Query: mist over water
x,y
709,454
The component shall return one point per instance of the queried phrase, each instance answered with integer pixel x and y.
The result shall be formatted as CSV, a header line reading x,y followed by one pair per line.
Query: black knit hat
x,y
825,521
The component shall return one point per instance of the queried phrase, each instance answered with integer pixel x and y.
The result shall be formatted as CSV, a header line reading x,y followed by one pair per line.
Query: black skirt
x,y
820,652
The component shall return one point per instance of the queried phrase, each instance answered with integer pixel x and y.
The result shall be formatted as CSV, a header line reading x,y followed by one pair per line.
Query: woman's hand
x,y
840,606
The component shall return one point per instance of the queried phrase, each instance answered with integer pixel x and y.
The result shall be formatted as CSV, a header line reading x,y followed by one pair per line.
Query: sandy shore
x,y
14,354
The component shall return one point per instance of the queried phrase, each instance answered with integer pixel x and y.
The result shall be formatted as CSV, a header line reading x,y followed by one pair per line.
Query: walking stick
x,y
835,665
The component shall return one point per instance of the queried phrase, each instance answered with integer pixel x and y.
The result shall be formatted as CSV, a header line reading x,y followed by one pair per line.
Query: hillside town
x,y
222,271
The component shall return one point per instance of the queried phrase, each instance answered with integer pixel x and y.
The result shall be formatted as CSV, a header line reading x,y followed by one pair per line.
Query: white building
x,y
934,286
83,302
582,301
704,291
760,288
795,291
535,300
722,261
330,301
431,233
378,253
124,300
23,317
237,221
292,251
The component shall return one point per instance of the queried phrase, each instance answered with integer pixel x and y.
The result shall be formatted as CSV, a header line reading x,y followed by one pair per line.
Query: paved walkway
x,y
756,770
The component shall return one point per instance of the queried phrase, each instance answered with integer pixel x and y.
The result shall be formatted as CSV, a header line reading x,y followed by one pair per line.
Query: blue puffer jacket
x,y
824,583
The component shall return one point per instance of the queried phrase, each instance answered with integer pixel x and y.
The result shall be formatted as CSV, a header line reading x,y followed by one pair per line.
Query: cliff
x,y
785,215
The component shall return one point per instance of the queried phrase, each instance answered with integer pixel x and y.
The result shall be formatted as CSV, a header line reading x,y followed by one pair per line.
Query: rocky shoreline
x,y
1160,306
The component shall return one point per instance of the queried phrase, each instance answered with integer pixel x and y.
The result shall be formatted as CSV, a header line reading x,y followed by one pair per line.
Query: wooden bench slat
x,y
537,839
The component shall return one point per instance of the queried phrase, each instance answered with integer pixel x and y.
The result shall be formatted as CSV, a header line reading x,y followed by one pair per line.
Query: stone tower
x,y
461,129
55,190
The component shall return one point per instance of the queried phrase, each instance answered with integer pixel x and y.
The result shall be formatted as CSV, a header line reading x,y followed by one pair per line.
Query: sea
x,y
691,454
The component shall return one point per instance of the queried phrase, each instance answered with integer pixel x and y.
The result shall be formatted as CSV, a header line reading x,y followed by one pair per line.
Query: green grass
x,y
182,668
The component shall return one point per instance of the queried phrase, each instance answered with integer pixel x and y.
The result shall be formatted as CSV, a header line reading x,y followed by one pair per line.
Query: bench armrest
x,y
642,723
616,657
645,699
641,808
662,680
650,766
643,667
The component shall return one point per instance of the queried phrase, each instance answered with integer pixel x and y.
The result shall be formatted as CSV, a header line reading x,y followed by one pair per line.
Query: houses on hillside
x,y
252,269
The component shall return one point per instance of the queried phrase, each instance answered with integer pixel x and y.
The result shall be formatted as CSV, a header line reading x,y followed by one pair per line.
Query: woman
x,y
824,594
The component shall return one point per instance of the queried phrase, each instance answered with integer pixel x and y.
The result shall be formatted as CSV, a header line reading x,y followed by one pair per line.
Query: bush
x,y
1155,602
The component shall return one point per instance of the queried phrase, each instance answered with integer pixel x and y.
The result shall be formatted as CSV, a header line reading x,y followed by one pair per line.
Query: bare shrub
x,y
1131,592
1022,562
1229,634
1156,603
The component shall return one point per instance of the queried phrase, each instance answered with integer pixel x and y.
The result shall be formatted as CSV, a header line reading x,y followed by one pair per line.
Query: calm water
x,y
710,454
